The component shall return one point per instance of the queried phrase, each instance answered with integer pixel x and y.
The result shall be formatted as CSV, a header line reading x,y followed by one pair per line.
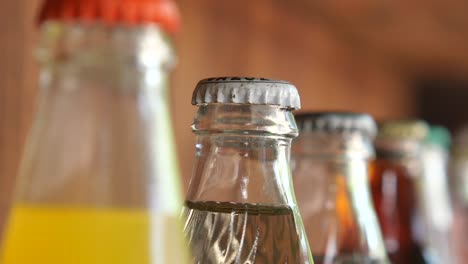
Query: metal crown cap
x,y
337,122
246,90
111,12
404,130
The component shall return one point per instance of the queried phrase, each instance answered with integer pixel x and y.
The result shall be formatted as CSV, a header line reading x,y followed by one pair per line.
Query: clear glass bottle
x,y
459,167
240,207
330,172
394,178
459,190
435,197
99,181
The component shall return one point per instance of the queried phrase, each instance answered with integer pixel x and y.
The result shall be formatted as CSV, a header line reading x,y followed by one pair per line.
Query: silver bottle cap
x,y
246,90
337,122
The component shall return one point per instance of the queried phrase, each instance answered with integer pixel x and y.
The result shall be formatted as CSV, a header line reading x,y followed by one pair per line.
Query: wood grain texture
x,y
270,39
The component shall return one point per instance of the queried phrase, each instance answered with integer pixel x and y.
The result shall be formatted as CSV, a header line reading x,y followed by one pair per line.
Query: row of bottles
x,y
338,182
99,182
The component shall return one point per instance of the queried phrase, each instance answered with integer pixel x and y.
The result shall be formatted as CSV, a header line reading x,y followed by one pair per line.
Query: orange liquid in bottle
x,y
60,235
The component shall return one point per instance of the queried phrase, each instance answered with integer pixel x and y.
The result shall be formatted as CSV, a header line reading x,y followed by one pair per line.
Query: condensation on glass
x,y
330,172
240,207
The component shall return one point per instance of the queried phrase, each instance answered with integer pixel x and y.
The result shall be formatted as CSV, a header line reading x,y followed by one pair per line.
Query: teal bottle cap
x,y
439,135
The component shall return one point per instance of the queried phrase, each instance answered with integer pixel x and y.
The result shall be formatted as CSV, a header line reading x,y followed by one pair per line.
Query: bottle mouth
x,y
333,145
245,119
144,46
398,148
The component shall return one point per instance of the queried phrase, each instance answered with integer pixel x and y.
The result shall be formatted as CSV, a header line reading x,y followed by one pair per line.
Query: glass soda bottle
x,y
435,196
240,207
459,190
330,172
394,184
99,182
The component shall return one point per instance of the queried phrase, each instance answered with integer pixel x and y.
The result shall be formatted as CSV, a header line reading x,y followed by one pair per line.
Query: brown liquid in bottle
x,y
394,196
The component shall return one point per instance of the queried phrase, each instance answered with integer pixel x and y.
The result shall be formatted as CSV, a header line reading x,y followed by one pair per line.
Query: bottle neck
x,y
434,188
243,154
332,187
128,58
141,47
103,120
403,153
334,145
398,149
331,166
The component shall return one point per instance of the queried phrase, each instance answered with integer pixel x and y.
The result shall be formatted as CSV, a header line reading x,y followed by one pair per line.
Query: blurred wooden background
x,y
358,55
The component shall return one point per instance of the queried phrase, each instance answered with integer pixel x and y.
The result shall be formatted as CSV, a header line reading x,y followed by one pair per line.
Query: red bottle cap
x,y
130,12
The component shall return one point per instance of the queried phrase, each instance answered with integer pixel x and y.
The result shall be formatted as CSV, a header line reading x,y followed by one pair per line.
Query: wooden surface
x,y
337,59
273,40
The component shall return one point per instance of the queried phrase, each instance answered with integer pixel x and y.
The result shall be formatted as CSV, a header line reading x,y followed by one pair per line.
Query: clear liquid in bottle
x,y
240,206
347,259
241,233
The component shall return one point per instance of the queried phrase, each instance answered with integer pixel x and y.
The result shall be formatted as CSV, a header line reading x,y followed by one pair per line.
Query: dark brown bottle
x,y
394,178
